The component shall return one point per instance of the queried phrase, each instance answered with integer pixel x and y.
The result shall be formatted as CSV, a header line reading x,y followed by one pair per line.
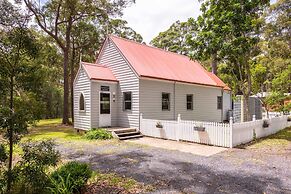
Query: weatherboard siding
x,y
204,101
95,95
82,119
128,82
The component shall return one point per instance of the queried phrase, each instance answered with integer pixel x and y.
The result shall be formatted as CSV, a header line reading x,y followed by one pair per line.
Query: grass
x,y
52,129
277,140
113,180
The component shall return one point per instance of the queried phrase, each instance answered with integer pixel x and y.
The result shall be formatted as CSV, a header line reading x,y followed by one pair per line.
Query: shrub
x,y
64,186
31,169
98,134
78,174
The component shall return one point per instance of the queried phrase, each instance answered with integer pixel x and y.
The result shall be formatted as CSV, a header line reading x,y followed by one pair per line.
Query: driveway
x,y
194,148
172,171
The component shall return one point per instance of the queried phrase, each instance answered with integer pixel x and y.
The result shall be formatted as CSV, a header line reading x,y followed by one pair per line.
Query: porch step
x,y
131,137
127,133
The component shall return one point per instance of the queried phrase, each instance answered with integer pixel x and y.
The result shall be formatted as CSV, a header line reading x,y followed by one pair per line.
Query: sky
x,y
149,17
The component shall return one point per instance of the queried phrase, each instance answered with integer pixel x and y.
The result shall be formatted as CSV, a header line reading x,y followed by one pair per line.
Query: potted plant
x,y
199,128
159,125
266,124
289,118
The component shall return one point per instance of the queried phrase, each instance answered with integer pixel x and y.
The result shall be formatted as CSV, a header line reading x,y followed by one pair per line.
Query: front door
x,y
105,112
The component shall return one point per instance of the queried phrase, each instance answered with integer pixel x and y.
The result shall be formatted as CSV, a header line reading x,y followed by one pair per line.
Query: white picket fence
x,y
212,133
247,131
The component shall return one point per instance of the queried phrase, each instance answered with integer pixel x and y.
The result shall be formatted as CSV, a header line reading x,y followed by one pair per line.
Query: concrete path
x,y
193,148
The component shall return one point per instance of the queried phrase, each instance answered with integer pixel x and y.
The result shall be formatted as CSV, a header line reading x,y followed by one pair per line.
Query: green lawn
x,y
52,129
278,140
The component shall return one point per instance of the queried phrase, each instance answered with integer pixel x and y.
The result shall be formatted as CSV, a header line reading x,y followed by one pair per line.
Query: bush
x,y
30,171
64,186
98,134
74,174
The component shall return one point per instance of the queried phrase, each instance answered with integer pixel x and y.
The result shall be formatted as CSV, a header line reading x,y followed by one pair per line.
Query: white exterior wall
x,y
82,119
226,103
128,82
95,101
151,99
204,101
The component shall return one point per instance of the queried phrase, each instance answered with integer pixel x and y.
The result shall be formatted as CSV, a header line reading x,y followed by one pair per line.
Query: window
x,y
219,102
127,101
82,102
165,101
104,103
189,99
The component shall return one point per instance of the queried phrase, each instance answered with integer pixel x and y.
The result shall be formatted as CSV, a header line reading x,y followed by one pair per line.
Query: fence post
x,y
230,132
178,130
140,121
254,117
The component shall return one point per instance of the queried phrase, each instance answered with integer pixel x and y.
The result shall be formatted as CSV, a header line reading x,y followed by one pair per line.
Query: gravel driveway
x,y
232,171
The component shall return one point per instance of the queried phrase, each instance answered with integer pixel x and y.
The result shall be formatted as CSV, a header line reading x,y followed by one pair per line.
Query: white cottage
x,y
130,78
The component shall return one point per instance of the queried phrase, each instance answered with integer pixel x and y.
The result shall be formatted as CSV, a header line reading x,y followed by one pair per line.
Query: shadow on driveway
x,y
169,175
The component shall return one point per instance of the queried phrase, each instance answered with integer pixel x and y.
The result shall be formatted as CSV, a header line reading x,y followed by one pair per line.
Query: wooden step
x,y
128,133
131,137
125,130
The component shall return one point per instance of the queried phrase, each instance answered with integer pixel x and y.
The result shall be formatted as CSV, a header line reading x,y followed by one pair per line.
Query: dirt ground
x,y
249,169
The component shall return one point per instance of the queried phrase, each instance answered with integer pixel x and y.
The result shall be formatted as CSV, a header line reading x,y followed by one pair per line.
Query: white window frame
x,y
126,101
192,103
82,110
169,101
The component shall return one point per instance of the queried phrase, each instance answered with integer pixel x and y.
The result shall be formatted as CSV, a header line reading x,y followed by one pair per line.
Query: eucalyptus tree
x,y
58,19
175,38
229,31
17,75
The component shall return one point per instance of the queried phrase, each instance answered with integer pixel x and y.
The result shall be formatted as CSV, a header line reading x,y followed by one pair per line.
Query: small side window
x,y
219,102
165,101
127,101
82,102
189,99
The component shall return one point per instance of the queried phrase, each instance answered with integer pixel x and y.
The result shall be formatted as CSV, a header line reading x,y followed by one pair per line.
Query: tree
x,y
57,18
174,39
212,26
18,47
230,32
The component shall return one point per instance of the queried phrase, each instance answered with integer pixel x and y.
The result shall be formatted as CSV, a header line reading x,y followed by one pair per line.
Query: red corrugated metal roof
x,y
98,72
156,63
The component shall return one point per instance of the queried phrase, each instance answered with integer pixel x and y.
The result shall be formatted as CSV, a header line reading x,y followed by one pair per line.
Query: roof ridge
x,y
150,46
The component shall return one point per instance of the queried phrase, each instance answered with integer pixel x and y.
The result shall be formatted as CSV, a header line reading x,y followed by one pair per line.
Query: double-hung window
x,y
219,102
189,99
165,101
127,101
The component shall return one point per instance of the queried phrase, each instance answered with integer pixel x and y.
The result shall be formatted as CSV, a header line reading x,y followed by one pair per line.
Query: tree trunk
x,y
246,116
10,133
72,81
66,51
214,63
66,88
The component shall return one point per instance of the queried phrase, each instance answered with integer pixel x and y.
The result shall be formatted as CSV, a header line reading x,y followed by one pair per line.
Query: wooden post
x,y
230,132
178,130
140,121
